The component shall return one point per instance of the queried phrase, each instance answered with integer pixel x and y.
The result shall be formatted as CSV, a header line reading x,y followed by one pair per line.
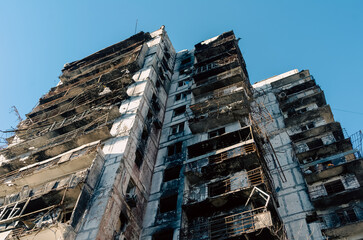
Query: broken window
x,y
178,128
307,126
181,96
138,158
171,173
183,83
179,111
164,235
347,216
334,187
216,133
155,103
122,223
131,198
175,148
186,60
168,204
315,144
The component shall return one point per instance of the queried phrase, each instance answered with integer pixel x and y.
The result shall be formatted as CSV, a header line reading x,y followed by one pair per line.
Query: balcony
x,y
58,204
216,67
334,193
220,142
213,100
213,53
342,223
97,130
224,162
311,96
222,43
228,226
322,112
333,127
38,137
95,96
335,166
231,190
48,170
221,80
128,54
236,111
324,151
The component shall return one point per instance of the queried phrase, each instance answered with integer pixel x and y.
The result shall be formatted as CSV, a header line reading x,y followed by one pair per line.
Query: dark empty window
x,y
307,126
178,128
131,198
164,235
347,216
171,173
168,204
175,148
123,221
138,158
186,60
315,144
216,133
334,187
180,96
179,111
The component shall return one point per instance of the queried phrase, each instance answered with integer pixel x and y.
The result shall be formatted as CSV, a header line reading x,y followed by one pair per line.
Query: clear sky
x,y
38,37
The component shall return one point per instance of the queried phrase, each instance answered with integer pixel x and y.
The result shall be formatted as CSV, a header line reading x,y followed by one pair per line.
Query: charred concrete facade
x,y
80,165
322,196
211,179
140,142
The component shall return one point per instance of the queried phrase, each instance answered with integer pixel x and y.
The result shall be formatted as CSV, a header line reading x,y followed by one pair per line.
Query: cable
x,y
337,109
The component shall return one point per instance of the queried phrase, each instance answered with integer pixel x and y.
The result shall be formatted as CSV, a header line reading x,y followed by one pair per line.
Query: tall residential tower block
x,y
140,142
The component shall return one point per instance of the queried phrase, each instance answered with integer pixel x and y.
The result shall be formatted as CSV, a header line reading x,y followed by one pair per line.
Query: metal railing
x,y
225,227
239,151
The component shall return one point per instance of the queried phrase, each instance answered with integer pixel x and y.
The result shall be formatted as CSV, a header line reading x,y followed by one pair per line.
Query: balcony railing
x,y
230,226
238,182
239,151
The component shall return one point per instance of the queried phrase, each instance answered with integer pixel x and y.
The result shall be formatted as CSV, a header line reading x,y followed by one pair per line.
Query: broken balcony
x,y
40,136
221,80
292,80
333,127
226,191
321,112
324,151
220,142
229,226
218,111
128,54
308,97
342,223
54,199
332,166
93,96
96,130
222,43
211,54
295,90
334,193
216,67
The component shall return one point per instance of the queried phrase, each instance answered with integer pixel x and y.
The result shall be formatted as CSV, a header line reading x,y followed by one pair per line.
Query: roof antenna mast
x,y
136,26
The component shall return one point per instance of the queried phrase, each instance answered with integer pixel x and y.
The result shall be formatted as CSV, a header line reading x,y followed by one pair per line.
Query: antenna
x,y
15,110
136,26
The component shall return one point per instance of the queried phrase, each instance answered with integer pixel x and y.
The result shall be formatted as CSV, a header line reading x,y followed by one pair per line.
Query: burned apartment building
x,y
140,142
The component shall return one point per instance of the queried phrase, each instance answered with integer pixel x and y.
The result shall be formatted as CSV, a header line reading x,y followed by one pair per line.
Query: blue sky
x,y
39,37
